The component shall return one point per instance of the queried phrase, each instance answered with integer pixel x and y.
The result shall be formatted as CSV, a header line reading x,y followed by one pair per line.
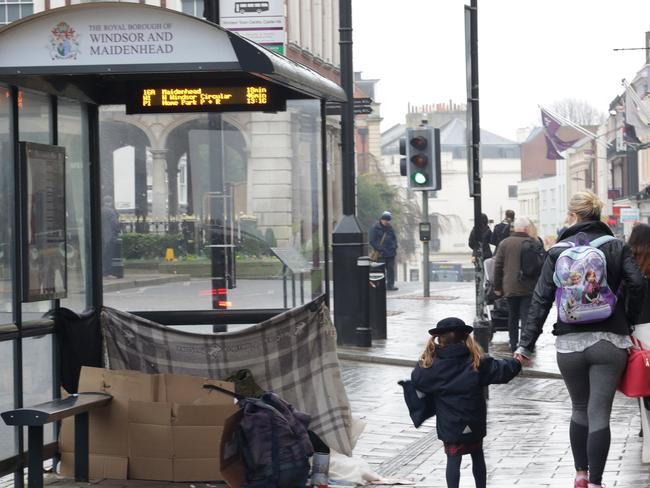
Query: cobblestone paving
x,y
527,443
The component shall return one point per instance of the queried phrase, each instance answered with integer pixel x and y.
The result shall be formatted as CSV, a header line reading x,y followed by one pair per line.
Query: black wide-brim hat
x,y
451,324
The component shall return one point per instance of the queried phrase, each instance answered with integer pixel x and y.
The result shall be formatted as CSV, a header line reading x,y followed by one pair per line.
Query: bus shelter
x,y
151,162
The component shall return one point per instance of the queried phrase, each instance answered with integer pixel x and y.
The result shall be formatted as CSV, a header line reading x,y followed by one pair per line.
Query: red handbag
x,y
636,379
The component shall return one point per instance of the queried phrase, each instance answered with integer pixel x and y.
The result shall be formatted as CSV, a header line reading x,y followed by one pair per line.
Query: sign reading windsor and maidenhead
x,y
173,99
43,217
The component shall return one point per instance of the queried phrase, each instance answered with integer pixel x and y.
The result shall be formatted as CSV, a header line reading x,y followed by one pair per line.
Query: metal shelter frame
x,y
102,83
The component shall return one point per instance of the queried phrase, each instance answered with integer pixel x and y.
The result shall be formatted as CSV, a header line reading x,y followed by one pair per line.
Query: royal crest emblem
x,y
64,42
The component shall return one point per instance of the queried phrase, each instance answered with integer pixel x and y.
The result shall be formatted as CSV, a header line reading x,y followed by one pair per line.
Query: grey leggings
x,y
591,376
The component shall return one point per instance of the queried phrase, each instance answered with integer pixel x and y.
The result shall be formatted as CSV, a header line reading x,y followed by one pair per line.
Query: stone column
x,y
159,184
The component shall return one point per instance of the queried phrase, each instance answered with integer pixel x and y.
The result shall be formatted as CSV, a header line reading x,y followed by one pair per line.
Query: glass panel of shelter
x,y
73,135
8,446
35,125
164,188
6,208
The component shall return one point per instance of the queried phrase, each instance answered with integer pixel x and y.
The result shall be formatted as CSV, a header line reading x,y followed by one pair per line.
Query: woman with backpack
x,y
592,336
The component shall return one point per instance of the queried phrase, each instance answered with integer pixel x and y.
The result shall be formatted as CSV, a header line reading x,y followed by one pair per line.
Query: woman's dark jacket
x,y
644,314
622,269
457,390
486,237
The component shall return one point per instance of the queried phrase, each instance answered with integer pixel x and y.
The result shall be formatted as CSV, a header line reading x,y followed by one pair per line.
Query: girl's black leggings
x,y
478,469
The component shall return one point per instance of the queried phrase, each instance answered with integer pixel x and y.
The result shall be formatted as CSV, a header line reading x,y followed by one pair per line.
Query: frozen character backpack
x,y
583,295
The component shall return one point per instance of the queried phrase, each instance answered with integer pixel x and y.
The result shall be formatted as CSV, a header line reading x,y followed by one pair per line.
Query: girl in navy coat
x,y
453,370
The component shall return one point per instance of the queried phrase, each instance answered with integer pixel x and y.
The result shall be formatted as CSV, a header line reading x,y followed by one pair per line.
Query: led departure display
x,y
247,97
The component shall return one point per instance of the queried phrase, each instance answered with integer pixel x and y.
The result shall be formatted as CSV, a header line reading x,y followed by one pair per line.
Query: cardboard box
x,y
233,470
110,467
160,427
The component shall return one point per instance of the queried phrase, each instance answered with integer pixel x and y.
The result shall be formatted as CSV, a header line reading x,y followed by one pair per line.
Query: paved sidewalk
x,y
410,316
527,443
137,280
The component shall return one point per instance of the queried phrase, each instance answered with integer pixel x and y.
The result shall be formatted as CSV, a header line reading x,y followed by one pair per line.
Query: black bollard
x,y
377,300
364,334
118,260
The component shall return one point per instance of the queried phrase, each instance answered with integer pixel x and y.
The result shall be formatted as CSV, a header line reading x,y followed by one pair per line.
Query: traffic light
x,y
423,158
402,151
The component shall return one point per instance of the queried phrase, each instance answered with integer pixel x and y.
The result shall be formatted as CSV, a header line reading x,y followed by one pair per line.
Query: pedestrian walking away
x,y
479,241
452,371
517,266
639,242
503,228
582,274
383,241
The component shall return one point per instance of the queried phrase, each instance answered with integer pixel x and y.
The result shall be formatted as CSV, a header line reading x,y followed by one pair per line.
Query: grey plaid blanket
x,y
292,354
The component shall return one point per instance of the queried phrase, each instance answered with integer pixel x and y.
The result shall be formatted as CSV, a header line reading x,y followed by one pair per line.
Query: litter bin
x,y
364,334
118,260
377,300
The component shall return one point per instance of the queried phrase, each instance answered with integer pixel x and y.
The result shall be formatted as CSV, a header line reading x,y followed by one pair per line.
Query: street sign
x,y
362,110
335,109
362,101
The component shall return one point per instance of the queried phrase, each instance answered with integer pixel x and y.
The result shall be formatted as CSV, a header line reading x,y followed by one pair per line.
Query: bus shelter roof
x,y
97,51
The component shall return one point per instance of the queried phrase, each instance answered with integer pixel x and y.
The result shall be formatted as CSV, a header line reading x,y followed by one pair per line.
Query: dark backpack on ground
x,y
274,442
531,260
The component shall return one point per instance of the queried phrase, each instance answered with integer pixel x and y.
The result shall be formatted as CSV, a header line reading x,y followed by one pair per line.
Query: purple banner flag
x,y
551,153
554,145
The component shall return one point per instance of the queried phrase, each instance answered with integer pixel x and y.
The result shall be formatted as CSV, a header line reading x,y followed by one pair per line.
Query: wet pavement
x,y
527,443
410,315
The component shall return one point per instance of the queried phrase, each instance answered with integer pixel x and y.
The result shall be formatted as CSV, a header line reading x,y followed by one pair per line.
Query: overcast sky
x,y
531,52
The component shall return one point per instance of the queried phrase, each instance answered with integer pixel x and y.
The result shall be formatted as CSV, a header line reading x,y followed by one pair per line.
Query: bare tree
x,y
578,111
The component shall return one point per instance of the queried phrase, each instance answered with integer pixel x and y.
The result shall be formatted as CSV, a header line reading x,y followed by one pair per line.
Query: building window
x,y
11,10
512,191
192,7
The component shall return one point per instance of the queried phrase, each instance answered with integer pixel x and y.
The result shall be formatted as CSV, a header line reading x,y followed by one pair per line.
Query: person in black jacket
x,y
503,229
382,238
591,356
480,240
453,370
639,242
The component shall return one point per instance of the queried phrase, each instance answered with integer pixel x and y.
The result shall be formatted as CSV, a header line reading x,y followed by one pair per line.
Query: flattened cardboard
x,y
108,425
151,437
101,467
154,413
232,468
151,469
197,442
202,414
196,469
176,388
150,441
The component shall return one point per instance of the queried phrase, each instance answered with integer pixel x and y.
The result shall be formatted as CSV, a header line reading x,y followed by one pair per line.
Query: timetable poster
x,y
43,222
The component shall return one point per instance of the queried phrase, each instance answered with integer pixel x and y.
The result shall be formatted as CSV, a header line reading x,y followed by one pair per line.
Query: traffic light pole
x,y
348,238
481,326
425,246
